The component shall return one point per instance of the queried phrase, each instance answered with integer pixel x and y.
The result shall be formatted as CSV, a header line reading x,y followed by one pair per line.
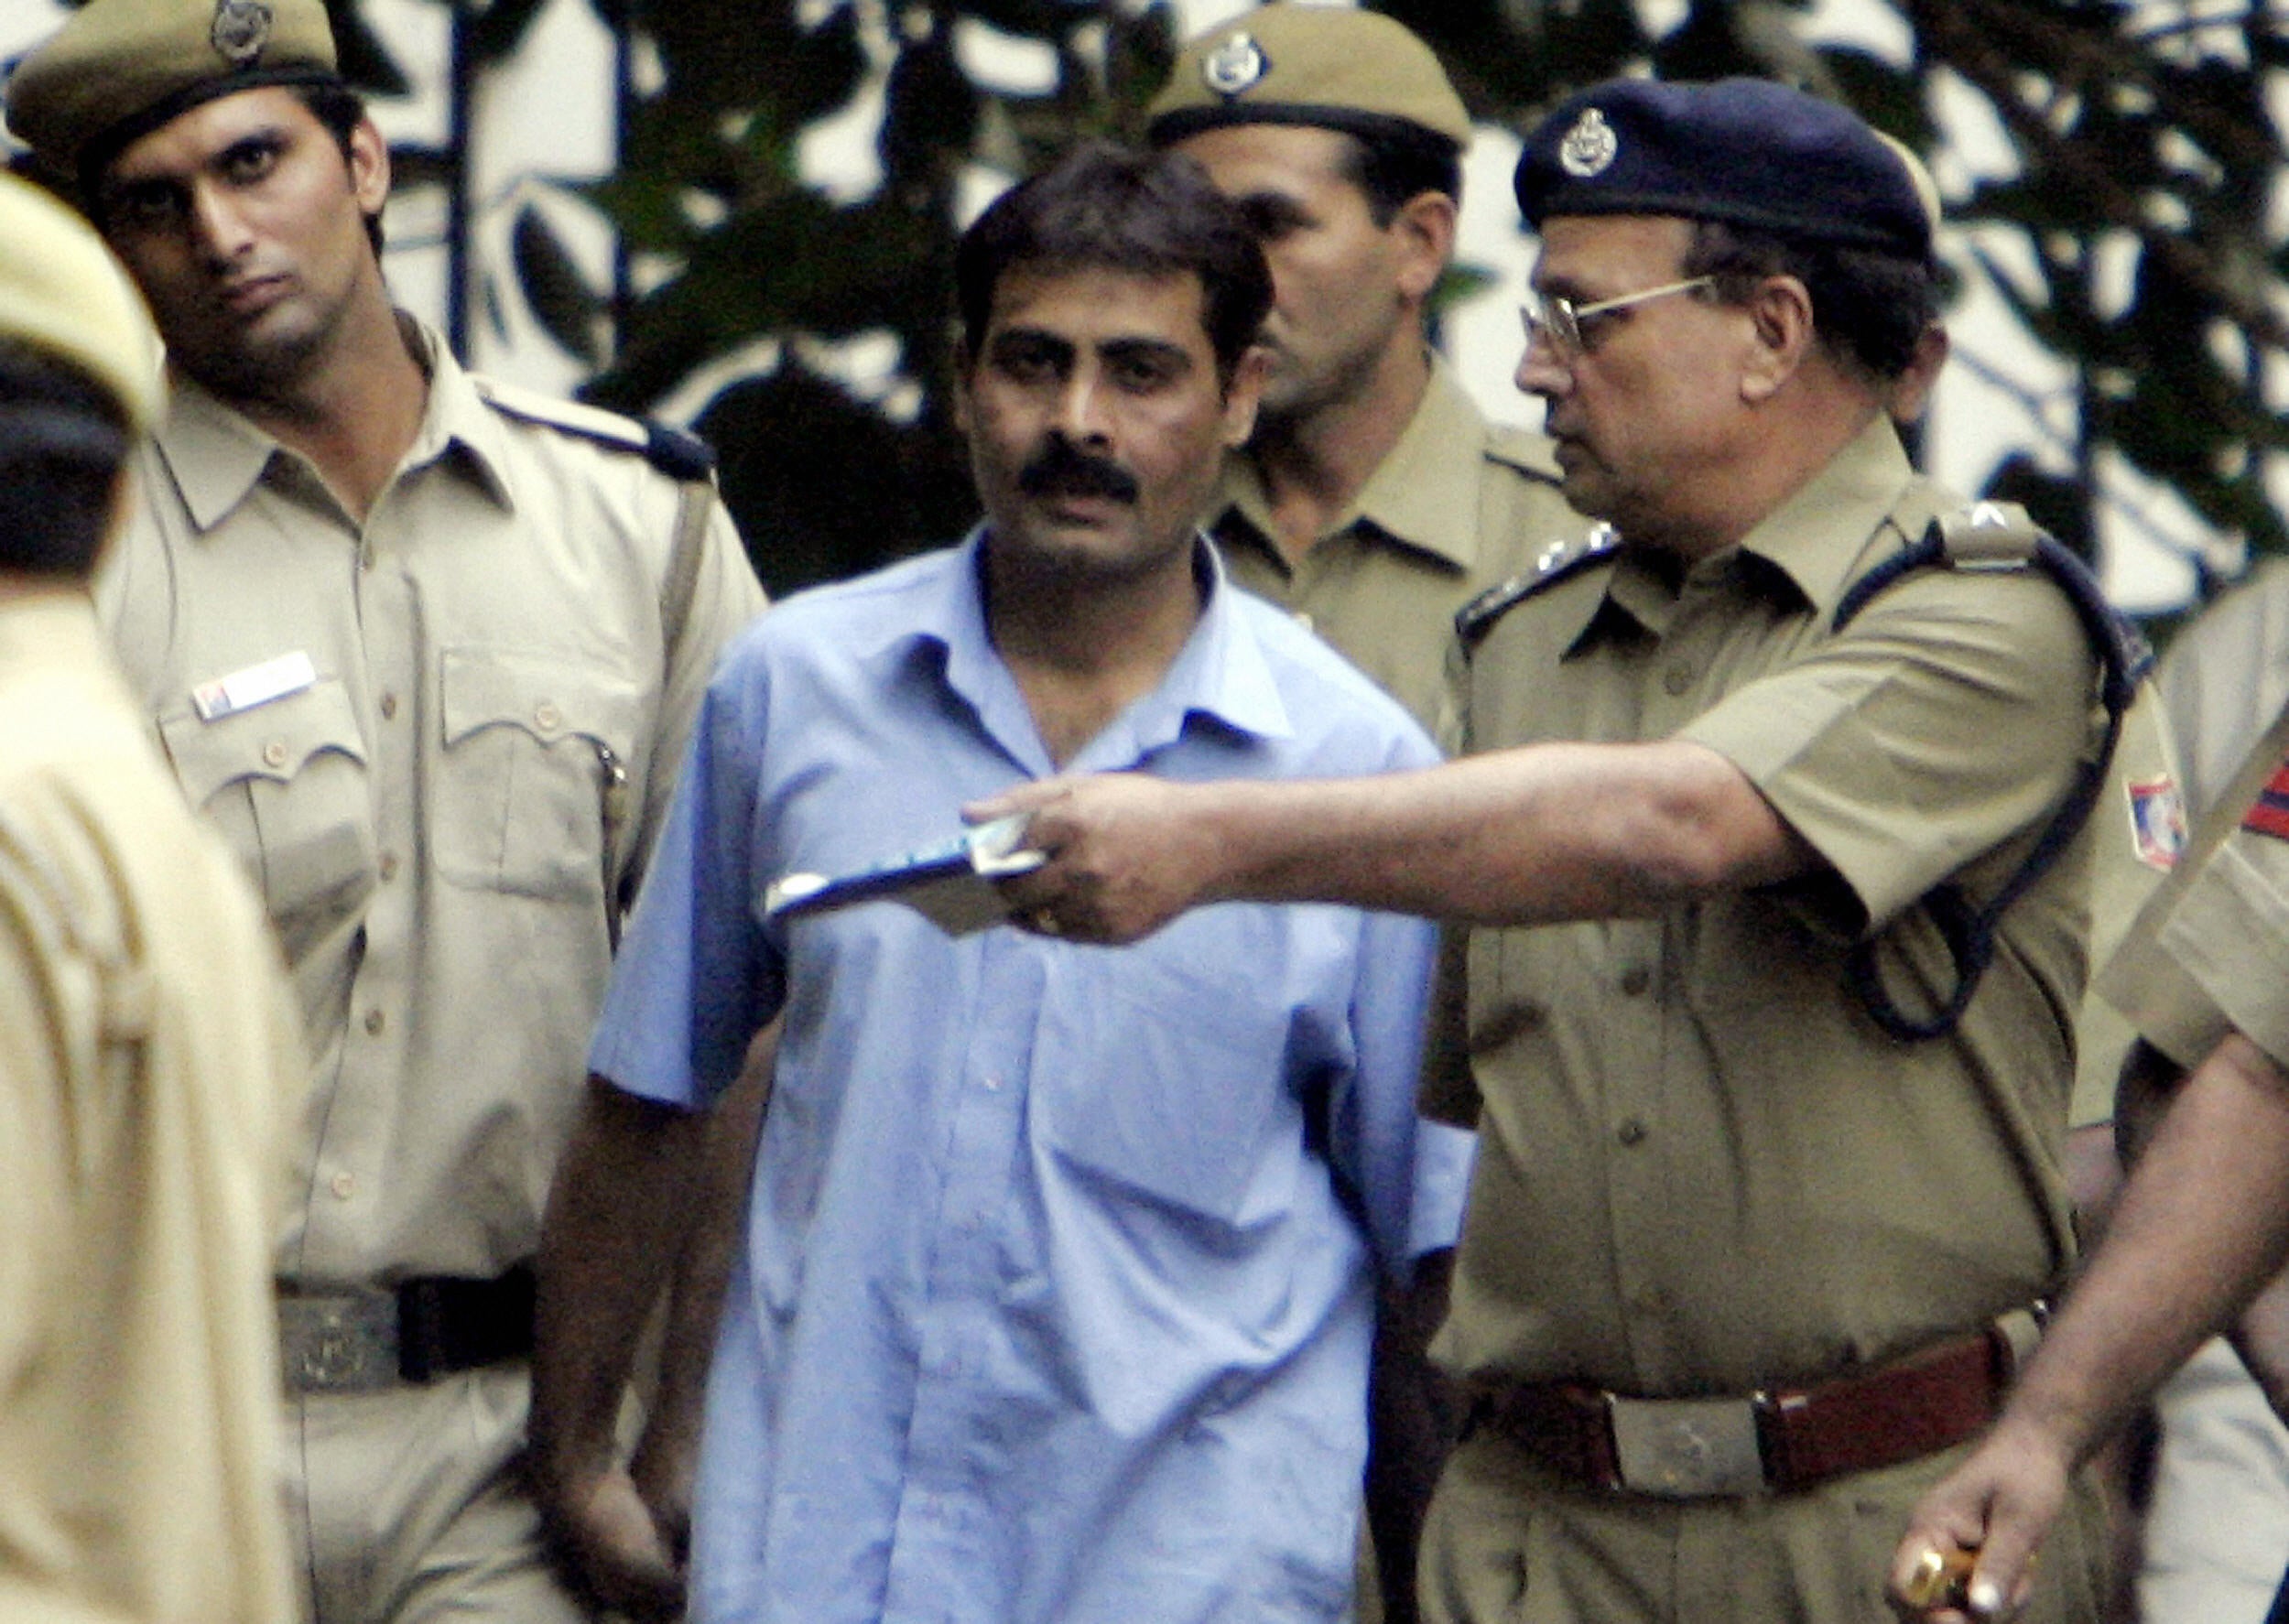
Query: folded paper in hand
x,y
950,884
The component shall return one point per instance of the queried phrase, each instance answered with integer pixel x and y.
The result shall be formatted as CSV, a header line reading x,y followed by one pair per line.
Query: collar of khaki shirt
x,y
1813,546
216,455
1424,494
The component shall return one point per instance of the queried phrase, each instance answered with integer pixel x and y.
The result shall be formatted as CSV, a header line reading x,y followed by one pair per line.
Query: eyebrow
x,y
1144,349
266,134
1269,206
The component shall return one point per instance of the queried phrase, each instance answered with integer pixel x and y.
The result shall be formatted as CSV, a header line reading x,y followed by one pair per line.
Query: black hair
x,y
62,440
1104,207
1397,162
1868,306
341,110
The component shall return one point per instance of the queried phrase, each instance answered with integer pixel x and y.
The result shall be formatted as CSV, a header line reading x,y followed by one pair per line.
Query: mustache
x,y
1062,469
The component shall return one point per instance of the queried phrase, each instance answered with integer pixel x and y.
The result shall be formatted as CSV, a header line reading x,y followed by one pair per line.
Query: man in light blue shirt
x,y
1055,1304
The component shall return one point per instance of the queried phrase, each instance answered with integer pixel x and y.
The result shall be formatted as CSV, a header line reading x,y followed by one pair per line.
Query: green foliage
x,y
2145,157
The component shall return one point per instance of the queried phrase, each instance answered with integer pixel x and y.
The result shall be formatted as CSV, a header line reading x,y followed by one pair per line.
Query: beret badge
x,y
1234,66
241,30
1590,146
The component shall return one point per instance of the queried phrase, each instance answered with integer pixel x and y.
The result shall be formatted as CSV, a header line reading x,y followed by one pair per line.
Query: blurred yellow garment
x,y
148,1063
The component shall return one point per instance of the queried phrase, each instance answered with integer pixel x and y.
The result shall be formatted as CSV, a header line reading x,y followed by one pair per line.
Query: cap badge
x,y
242,27
1590,146
1234,66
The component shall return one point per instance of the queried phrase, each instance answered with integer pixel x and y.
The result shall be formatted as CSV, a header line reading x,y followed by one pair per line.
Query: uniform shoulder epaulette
x,y
1557,561
673,451
1987,536
1524,449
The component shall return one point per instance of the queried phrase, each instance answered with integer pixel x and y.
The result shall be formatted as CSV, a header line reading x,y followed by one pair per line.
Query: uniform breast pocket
x,y
1158,1079
524,785
285,782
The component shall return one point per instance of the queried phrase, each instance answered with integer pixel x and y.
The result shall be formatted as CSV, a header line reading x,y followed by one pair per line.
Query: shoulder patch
x,y
1556,562
673,451
1524,449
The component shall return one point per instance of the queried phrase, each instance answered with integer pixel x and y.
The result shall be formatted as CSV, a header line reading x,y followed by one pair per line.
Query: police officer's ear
x,y
1243,391
1780,322
1424,229
369,166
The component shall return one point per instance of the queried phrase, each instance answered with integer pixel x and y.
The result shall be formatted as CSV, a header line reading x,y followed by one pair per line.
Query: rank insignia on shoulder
x,y
673,451
1987,536
1553,564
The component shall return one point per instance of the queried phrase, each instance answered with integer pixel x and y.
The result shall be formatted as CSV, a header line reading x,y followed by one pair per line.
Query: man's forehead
x,y
1571,241
1100,305
210,127
1268,155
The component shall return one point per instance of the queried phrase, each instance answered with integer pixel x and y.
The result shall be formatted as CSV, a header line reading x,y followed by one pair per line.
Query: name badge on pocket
x,y
256,685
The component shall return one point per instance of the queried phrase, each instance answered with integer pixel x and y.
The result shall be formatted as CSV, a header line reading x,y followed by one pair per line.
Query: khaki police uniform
x,y
1458,506
2217,1519
441,742
149,1070
1704,1170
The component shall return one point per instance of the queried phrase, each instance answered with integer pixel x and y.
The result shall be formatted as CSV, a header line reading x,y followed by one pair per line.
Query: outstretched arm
x,y
1515,836
2202,1224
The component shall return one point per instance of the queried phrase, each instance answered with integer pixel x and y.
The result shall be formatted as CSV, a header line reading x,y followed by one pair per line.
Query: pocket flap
x,y
272,741
550,696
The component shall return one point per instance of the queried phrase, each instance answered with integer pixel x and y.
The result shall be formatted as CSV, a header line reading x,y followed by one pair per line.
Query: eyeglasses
x,y
1568,325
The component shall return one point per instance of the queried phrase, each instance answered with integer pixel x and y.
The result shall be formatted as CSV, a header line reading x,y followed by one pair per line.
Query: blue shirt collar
x,y
1219,675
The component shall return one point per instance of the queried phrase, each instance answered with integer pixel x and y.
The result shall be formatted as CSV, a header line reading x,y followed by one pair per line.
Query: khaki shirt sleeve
x,y
35,1148
2212,958
2140,812
1947,719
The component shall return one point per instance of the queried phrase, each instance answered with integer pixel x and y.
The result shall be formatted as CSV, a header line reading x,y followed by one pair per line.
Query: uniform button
x,y
275,752
389,865
546,716
1635,980
1631,1131
372,1022
1677,680
343,1186
389,706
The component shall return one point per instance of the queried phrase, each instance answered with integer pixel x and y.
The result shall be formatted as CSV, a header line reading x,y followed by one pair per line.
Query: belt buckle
x,y
338,1343
1687,1449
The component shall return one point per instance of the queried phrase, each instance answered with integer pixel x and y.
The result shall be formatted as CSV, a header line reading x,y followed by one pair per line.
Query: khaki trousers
x,y
409,1506
1508,1543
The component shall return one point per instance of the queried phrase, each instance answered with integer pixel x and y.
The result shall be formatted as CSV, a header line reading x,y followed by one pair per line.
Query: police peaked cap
x,y
1331,66
117,69
63,296
1747,152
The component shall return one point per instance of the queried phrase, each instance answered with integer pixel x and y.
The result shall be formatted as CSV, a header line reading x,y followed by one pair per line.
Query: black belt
x,y
425,1327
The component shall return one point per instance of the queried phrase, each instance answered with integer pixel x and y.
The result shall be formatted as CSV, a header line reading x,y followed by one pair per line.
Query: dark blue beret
x,y
1745,151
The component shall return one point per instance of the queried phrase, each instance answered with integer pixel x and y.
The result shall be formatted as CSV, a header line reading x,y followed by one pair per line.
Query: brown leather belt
x,y
422,1329
1768,1443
